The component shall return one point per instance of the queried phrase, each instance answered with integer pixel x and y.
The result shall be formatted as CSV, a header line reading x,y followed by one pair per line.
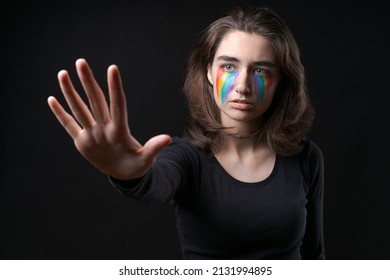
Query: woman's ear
x,y
209,76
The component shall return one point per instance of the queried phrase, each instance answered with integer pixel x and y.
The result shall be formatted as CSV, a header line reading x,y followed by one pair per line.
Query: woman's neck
x,y
240,145
242,135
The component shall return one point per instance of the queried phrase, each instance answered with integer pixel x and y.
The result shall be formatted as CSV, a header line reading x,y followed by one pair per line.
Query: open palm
x,y
101,132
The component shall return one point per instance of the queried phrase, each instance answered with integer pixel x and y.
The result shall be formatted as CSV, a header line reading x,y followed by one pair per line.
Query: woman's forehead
x,y
245,47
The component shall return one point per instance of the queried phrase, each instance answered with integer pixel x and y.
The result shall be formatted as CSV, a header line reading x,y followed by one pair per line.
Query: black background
x,y
55,205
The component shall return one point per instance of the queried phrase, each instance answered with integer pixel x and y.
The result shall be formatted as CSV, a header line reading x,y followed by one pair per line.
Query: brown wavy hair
x,y
290,115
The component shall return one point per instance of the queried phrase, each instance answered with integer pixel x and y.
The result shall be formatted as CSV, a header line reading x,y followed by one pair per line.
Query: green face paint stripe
x,y
225,83
261,85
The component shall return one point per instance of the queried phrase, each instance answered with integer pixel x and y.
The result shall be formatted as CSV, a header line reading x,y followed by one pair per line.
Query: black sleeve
x,y
166,177
313,169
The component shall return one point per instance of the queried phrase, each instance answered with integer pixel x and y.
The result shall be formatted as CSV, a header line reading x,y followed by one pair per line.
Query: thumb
x,y
155,145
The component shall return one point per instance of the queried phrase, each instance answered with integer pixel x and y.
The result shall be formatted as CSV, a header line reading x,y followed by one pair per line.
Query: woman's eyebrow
x,y
227,58
264,63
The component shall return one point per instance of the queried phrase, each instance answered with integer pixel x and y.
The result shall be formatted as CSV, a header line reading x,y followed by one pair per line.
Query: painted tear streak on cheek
x,y
225,83
261,86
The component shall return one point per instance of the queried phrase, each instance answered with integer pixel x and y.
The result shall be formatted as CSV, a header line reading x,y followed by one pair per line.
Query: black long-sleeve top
x,y
220,217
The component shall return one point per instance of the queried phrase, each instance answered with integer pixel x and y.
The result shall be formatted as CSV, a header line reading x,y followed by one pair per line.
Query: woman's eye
x,y
228,67
260,72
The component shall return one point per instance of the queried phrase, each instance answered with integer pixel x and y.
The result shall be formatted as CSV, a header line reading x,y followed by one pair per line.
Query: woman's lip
x,y
241,104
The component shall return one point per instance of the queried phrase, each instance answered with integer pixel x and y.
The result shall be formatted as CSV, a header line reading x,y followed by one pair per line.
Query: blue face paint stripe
x,y
260,87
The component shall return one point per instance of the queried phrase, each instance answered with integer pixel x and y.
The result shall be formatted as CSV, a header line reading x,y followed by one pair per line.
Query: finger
x,y
76,104
155,145
66,120
94,93
118,108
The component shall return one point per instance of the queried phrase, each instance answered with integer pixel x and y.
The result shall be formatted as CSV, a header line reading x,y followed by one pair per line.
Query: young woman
x,y
245,181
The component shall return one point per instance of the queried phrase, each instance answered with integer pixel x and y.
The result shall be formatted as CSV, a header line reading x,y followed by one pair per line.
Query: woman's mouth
x,y
240,104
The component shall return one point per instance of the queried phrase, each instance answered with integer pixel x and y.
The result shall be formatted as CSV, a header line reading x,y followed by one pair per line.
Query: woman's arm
x,y
313,168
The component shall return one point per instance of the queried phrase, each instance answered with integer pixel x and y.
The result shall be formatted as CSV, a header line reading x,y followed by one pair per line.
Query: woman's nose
x,y
242,83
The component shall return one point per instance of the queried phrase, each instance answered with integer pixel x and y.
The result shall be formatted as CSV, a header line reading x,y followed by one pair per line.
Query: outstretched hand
x,y
101,132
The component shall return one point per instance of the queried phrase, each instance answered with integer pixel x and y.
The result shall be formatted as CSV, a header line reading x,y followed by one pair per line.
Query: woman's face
x,y
244,75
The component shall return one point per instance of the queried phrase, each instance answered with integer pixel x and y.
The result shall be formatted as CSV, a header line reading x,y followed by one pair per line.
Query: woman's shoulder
x,y
310,149
181,146
311,160
182,142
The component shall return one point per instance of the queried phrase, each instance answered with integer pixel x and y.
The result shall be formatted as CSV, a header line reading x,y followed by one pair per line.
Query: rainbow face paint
x,y
225,83
261,84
